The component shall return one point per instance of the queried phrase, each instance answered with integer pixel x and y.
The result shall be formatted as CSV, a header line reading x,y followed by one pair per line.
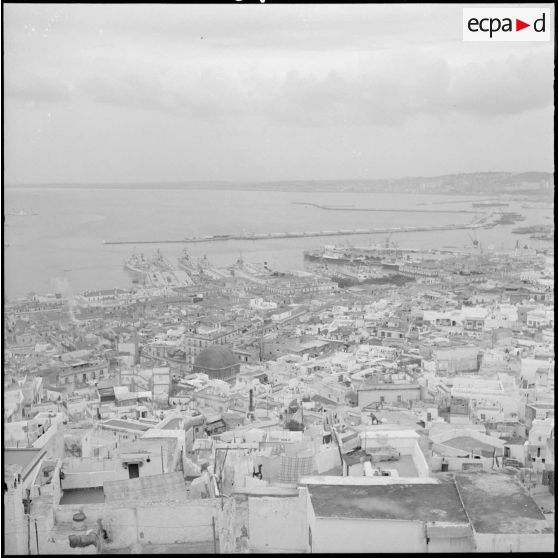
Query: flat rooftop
x,y
468,444
83,496
497,503
21,456
154,488
173,424
410,502
26,458
117,423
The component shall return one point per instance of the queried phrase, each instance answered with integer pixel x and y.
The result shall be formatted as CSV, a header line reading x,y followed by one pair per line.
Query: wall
x,y
366,397
327,460
99,441
278,524
52,441
367,535
456,463
233,525
169,522
374,439
31,477
510,542
420,462
457,359
179,435
87,480
226,520
331,390
517,451
14,529
90,472
52,488
488,415
40,526
161,523
450,538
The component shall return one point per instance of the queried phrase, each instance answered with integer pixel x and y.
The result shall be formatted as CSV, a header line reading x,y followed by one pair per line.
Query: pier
x,y
310,234
382,210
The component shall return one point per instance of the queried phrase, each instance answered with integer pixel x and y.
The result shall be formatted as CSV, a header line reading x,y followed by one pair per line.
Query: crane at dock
x,y
476,242
474,239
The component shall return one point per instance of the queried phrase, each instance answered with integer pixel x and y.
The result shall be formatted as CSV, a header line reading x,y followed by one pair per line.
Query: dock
x,y
310,234
382,210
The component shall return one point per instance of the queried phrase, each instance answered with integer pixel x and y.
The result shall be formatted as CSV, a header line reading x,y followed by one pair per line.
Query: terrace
x,y
497,503
406,501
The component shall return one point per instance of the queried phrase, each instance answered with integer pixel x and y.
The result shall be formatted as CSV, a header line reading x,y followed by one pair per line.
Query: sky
x,y
263,92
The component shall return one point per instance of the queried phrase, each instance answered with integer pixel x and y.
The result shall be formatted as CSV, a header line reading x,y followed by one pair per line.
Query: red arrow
x,y
519,25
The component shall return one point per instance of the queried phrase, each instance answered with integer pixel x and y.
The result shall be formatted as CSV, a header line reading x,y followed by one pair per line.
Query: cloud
x,y
300,27
37,88
131,89
512,86
405,85
321,66
381,89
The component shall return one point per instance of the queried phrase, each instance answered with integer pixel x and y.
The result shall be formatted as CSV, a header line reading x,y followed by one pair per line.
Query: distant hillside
x,y
479,183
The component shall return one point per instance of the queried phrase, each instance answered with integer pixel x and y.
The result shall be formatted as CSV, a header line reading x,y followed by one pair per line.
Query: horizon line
x,y
269,181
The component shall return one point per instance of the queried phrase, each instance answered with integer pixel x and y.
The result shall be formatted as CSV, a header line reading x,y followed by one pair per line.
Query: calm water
x,y
61,248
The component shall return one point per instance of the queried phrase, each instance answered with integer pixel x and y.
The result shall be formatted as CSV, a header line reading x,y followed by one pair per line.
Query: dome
x,y
216,357
293,406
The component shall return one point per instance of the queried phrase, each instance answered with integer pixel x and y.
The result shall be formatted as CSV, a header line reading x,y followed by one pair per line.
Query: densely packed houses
x,y
285,414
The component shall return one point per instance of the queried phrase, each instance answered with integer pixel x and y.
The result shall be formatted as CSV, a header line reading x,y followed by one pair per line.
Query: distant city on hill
x,y
481,183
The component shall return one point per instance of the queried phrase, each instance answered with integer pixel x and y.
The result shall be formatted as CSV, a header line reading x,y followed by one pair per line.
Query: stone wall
x,y
145,524
278,524
510,542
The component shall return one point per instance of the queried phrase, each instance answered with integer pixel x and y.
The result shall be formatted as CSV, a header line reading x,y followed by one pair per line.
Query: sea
x,y
54,236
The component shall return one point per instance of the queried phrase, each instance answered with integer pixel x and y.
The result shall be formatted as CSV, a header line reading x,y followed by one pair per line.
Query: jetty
x,y
382,210
309,234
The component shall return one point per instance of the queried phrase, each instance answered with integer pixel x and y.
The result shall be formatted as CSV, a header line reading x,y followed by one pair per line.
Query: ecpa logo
x,y
506,24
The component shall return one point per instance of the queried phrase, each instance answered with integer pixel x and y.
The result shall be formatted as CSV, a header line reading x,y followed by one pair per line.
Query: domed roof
x,y
215,357
293,405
